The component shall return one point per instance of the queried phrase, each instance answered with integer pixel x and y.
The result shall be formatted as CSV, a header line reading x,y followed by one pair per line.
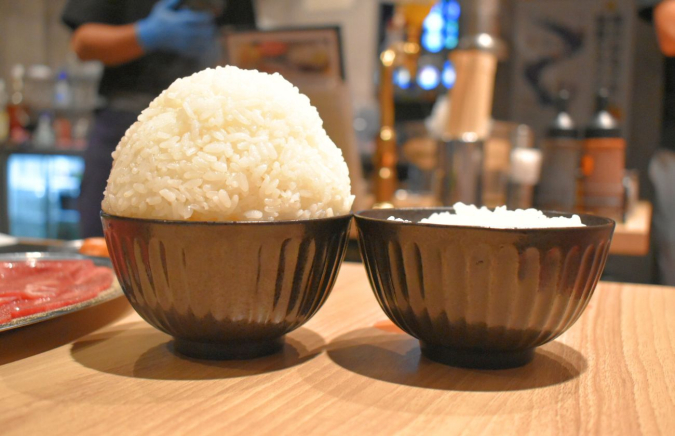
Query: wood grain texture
x,y
348,371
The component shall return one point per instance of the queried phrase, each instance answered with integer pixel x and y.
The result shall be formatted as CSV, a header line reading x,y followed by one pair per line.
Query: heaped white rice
x,y
228,144
500,218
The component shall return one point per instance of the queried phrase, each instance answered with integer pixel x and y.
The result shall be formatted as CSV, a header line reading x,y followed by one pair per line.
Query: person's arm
x,y
664,21
182,31
112,45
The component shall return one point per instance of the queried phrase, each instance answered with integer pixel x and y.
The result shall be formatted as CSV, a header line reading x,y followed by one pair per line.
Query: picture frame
x,y
308,56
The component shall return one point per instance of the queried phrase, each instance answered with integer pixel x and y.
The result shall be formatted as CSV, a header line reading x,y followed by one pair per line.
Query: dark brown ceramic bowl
x,y
478,297
228,290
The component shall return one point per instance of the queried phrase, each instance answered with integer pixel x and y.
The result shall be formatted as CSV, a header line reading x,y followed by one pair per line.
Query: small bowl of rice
x,y
227,213
482,288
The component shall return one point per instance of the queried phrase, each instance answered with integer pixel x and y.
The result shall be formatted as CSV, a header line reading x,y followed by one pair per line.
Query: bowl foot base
x,y
476,359
228,350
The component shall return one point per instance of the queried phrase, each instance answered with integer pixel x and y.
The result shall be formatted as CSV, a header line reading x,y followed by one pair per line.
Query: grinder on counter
x,y
603,163
475,61
560,171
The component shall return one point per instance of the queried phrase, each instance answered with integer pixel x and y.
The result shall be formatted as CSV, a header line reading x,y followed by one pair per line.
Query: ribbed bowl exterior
x,y
226,282
477,288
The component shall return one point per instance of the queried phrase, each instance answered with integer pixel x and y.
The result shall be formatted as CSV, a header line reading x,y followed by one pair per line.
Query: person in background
x,y
662,165
144,45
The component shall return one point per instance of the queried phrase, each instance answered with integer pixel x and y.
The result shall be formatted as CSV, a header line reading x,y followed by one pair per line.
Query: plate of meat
x,y
38,286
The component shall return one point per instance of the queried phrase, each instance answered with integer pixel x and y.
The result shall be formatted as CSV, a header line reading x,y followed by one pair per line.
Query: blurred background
x,y
491,102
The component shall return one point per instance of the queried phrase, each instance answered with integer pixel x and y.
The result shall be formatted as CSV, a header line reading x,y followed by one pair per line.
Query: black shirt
x,y
646,11
154,72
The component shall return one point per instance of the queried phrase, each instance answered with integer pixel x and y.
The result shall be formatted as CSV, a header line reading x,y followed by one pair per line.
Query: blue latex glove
x,y
182,31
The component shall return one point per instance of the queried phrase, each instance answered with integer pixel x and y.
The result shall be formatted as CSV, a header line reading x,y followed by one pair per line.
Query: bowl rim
x,y
608,222
106,215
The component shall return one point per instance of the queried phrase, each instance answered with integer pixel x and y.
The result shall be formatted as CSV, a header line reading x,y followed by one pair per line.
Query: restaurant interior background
x,y
39,183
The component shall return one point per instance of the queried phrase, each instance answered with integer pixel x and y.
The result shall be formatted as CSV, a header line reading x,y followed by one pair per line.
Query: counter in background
x,y
632,237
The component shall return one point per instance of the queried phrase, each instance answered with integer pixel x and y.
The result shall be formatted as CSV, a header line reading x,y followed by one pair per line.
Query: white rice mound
x,y
227,144
500,218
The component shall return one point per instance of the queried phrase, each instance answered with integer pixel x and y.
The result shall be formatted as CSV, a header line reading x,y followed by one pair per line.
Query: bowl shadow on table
x,y
395,357
31,340
146,353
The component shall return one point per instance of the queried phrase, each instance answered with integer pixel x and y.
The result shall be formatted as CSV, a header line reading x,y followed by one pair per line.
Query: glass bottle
x,y
603,163
17,110
562,150
4,116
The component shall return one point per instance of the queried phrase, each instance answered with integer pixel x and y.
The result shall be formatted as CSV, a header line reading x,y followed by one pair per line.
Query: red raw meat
x,y
36,286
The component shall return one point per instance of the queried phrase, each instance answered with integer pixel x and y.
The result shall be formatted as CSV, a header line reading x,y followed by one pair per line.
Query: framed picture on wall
x,y
304,56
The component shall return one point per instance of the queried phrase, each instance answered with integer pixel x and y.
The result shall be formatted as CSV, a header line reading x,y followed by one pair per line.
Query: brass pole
x,y
386,156
406,54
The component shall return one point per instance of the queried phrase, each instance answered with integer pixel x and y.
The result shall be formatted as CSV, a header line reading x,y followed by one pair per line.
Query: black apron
x,y
109,127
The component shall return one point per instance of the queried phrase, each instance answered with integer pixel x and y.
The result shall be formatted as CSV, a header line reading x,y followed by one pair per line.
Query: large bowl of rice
x,y
227,144
227,211
480,288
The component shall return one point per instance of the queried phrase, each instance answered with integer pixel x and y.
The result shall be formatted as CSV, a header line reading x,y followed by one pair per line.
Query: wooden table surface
x,y
347,371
